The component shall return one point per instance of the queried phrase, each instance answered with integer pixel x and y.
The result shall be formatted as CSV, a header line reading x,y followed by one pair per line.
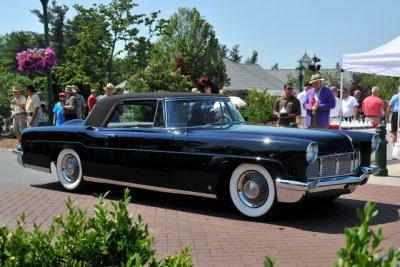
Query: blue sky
x,y
280,30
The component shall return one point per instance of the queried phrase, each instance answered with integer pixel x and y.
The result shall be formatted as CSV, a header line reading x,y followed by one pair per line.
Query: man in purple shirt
x,y
319,102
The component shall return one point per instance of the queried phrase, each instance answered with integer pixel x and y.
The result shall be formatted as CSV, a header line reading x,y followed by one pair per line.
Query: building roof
x,y
244,76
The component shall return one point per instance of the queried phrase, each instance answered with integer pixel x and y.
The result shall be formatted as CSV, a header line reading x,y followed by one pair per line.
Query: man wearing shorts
x,y
18,112
394,108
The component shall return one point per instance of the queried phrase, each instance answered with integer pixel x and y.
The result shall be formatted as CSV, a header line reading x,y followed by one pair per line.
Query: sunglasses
x,y
289,88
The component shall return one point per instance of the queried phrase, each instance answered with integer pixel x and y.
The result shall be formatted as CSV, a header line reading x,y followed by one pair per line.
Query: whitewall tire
x,y
252,190
69,169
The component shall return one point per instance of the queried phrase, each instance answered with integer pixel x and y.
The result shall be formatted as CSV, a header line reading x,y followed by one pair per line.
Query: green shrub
x,y
362,244
110,238
260,106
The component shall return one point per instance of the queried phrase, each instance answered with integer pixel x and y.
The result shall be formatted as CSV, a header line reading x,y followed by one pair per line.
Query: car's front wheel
x,y
69,169
252,190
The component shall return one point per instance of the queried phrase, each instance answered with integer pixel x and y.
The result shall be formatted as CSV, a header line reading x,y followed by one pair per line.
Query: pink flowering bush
x,y
37,59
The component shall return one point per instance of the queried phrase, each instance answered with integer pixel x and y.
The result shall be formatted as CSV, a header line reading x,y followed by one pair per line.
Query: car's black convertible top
x,y
96,117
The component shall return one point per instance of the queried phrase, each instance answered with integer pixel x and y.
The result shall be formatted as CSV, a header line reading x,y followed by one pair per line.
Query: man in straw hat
x,y
109,90
319,102
18,112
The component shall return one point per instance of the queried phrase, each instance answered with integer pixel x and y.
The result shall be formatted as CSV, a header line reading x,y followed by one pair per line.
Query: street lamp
x,y
47,44
301,69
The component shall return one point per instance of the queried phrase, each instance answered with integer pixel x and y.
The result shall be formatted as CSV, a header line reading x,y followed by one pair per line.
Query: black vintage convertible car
x,y
200,143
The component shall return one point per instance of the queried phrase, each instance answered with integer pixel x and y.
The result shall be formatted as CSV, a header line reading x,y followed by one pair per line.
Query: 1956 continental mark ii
x,y
200,143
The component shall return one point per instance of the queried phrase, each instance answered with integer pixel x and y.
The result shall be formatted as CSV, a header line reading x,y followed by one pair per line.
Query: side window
x,y
133,115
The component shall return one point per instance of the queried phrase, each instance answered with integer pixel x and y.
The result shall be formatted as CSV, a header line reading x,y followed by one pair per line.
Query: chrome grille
x,y
332,165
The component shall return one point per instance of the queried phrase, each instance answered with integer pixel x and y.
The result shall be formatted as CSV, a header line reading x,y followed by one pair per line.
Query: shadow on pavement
x,y
314,216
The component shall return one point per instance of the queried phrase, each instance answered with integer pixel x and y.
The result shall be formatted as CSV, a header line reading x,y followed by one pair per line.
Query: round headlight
x,y
312,152
374,142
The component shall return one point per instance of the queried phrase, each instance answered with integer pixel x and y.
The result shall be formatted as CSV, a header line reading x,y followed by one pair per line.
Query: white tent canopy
x,y
384,60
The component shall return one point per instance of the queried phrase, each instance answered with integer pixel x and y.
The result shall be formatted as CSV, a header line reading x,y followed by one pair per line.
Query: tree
x,y
90,54
188,46
122,25
275,66
224,50
139,50
234,54
57,23
253,58
387,85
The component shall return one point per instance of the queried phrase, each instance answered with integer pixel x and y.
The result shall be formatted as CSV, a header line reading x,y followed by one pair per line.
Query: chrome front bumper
x,y
19,153
290,191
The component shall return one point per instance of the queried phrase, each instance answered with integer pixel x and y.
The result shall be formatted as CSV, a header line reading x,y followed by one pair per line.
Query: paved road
x,y
12,174
308,234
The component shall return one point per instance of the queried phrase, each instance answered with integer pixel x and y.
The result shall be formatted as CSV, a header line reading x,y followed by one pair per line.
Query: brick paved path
x,y
303,235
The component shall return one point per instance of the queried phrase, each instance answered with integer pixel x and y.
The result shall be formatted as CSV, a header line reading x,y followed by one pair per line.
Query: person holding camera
x,y
18,112
287,107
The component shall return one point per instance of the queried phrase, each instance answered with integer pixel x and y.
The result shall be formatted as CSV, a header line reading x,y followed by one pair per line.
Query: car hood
x,y
328,141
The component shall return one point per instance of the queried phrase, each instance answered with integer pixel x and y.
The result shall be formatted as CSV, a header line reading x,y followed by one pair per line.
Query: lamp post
x,y
47,44
301,69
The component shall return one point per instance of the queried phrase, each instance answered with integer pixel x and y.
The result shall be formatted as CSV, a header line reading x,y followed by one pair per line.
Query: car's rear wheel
x,y
252,190
69,170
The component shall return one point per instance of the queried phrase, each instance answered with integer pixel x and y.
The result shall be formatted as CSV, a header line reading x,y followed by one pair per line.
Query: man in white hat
x,y
109,90
18,112
319,102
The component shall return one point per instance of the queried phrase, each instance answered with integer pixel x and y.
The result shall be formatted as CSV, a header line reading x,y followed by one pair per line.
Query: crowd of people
x,y
29,111
318,106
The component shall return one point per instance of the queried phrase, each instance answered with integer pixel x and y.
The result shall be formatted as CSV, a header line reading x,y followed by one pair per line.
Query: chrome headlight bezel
x,y
374,143
312,152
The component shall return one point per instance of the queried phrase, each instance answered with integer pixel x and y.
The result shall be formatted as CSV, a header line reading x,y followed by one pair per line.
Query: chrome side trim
x,y
147,187
290,191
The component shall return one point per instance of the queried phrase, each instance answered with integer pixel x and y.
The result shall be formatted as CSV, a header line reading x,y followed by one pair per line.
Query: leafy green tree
x,y
190,41
161,75
57,26
122,25
275,66
224,50
90,54
387,85
234,54
253,58
139,49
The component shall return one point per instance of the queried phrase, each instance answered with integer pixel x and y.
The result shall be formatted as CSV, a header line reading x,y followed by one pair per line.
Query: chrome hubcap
x,y
252,189
70,168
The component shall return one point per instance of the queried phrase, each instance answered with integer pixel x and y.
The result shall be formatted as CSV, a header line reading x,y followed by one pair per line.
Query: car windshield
x,y
189,113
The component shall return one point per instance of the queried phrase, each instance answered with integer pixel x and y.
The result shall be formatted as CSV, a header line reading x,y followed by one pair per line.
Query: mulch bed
x,y
8,144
